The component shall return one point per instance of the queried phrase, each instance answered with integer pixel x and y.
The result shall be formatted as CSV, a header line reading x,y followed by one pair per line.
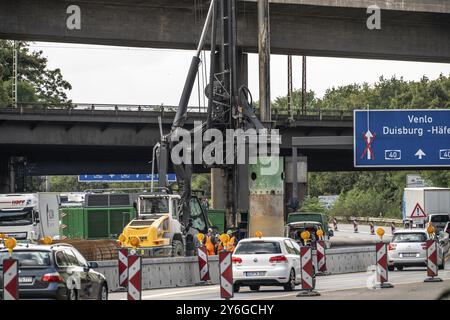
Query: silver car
x,y
408,249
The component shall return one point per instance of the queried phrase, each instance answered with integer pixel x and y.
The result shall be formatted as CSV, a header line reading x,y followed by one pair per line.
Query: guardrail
x,y
73,108
369,219
183,271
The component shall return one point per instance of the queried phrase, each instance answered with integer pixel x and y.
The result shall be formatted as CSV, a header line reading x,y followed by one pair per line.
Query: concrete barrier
x,y
183,272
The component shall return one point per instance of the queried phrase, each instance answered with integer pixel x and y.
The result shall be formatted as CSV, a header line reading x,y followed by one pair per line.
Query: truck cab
x,y
19,216
29,216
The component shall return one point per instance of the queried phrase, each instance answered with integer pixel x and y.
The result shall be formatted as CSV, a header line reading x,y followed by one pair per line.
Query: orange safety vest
x,y
209,246
231,244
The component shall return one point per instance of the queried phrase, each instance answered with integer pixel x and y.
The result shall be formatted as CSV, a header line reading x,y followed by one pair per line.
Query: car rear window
x,y
409,237
258,247
28,258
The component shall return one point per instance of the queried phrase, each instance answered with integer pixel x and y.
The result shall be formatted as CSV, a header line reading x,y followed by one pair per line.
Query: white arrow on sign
x,y
369,137
420,154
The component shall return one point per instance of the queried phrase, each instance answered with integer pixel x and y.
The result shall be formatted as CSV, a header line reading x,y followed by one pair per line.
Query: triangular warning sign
x,y
418,212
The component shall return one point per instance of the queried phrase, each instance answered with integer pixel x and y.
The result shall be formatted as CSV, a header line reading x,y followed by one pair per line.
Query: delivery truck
x,y
422,206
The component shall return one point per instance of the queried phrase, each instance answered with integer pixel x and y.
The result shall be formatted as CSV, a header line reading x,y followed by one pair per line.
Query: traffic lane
x,y
351,281
401,291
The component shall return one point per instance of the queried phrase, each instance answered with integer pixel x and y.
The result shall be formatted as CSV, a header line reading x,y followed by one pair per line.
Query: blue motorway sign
x,y
402,138
123,177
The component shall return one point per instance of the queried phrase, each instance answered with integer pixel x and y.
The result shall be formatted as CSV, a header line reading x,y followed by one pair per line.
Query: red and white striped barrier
x,y
123,267
226,275
372,229
10,279
203,263
308,278
382,265
321,257
432,263
134,277
355,226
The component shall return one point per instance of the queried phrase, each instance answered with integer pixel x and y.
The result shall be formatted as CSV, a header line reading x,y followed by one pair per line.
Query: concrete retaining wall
x,y
183,272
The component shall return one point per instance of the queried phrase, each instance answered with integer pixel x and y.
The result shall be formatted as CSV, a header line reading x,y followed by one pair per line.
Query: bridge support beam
x,y
7,176
295,189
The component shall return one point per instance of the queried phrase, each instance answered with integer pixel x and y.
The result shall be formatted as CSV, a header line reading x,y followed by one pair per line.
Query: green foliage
x,y
312,204
36,83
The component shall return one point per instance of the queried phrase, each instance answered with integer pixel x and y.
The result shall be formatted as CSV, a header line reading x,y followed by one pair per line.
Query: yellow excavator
x,y
159,229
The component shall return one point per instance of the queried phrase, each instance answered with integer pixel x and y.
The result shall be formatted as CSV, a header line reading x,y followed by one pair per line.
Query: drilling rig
x,y
229,107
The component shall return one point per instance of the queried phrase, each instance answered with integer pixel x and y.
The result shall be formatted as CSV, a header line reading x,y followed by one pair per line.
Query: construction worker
x,y
209,247
231,245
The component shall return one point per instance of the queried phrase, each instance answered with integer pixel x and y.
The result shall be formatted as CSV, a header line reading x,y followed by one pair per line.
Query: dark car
x,y
55,272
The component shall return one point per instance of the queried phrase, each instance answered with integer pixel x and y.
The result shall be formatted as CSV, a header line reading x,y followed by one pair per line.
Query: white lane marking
x,y
181,292
330,290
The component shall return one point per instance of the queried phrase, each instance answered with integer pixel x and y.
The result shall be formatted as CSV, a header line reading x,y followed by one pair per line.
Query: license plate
x,y
25,280
254,273
409,255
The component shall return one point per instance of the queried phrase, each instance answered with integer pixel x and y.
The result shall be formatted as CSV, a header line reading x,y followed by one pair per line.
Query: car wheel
x,y
391,268
103,294
72,294
400,268
290,285
236,288
254,288
177,249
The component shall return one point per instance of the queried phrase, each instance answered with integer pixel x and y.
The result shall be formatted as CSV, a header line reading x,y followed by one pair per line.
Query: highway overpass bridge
x,y
410,30
93,139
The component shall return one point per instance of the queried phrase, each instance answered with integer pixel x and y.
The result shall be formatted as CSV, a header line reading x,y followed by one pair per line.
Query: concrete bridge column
x,y
294,195
6,176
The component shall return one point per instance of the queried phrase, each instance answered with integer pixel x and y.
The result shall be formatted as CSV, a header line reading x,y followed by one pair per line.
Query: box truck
x,y
432,203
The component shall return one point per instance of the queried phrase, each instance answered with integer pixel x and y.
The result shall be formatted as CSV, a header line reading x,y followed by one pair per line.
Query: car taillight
x,y
236,260
392,247
52,277
424,245
278,259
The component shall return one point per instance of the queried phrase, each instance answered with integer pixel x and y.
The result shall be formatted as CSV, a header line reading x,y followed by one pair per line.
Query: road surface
x,y
408,285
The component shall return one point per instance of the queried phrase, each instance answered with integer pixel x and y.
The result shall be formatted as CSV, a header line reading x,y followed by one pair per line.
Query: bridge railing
x,y
124,109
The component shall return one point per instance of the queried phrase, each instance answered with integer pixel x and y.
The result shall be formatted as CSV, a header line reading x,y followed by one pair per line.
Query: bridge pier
x,y
295,190
7,176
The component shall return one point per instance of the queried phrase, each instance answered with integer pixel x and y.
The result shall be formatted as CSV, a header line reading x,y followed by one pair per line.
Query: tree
x,y
36,82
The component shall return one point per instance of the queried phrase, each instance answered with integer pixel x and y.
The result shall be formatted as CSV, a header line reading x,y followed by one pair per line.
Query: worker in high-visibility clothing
x,y
231,245
209,246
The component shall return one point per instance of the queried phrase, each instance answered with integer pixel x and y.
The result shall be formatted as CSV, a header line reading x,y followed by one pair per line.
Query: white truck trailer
x,y
29,216
434,203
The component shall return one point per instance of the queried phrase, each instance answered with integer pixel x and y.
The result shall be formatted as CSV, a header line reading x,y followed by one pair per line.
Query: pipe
x,y
264,59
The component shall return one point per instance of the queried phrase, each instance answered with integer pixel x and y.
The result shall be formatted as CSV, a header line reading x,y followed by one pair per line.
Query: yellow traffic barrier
x,y
258,234
200,237
224,238
135,241
305,235
47,240
380,233
320,233
10,244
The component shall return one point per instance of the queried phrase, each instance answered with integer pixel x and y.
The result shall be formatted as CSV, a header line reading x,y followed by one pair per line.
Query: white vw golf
x,y
266,261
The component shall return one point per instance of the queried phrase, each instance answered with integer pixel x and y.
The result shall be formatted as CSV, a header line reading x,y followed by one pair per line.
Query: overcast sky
x,y
119,75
